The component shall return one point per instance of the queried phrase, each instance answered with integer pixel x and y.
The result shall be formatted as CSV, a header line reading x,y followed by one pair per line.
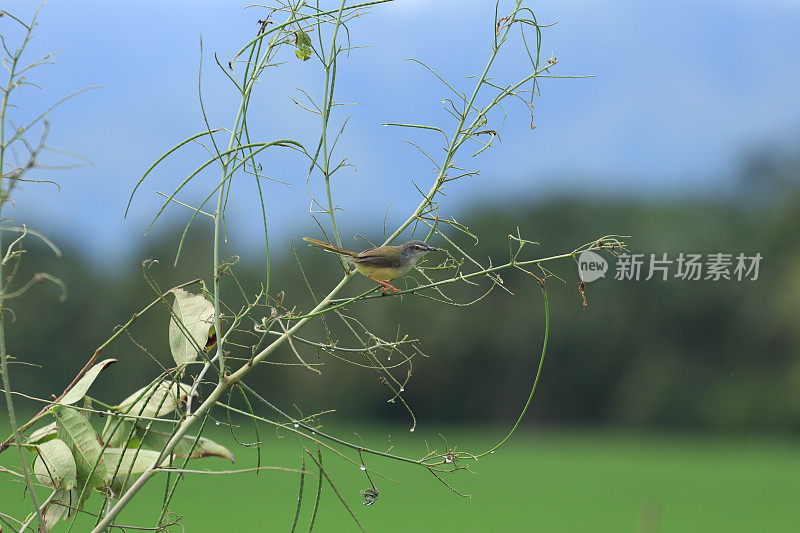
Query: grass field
x,y
544,481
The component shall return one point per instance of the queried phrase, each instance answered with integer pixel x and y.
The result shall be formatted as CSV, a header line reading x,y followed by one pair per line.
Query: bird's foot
x,y
386,287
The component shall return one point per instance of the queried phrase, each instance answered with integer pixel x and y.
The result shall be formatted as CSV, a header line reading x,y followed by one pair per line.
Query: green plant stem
x,y
535,381
306,17
327,105
319,493
218,215
460,135
330,482
12,415
209,402
454,144
299,495
27,524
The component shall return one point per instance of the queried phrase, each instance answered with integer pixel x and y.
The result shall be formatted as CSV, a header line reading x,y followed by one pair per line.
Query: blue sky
x,y
684,90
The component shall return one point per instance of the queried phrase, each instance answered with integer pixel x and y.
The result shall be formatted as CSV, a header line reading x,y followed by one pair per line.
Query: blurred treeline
x,y
694,354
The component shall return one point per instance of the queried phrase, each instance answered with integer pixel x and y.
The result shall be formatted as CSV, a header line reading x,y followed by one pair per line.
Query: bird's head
x,y
414,250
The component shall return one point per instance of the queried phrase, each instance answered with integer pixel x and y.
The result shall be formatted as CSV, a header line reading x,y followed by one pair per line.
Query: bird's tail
x,y
330,248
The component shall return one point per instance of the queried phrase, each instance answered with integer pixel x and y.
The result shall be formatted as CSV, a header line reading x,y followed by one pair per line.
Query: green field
x,y
542,481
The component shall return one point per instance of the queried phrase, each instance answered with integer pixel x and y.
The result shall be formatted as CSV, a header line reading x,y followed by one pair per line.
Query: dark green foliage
x,y
677,353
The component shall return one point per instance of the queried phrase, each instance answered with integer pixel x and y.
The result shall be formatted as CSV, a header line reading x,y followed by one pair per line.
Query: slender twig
x,y
28,523
319,492
300,494
535,380
227,472
333,486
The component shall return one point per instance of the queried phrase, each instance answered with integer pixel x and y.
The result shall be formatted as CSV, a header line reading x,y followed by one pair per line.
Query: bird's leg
x,y
386,287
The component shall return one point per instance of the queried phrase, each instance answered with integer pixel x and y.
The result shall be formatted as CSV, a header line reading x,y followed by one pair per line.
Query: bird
x,y
383,263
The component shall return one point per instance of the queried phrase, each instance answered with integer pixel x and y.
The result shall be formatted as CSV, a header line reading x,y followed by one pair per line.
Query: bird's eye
x,y
416,247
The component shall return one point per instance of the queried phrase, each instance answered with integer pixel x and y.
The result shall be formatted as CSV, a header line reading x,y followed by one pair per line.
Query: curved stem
x,y
535,381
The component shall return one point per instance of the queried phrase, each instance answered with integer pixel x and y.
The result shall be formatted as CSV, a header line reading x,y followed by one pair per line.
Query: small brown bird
x,y
383,263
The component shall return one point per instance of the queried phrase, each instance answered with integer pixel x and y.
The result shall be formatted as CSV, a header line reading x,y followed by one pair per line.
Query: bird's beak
x,y
432,249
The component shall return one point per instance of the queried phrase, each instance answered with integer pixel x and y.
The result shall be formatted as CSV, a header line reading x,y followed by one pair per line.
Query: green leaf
x,y
79,435
55,466
115,432
125,466
197,316
79,390
303,43
303,40
157,440
44,434
64,502
154,402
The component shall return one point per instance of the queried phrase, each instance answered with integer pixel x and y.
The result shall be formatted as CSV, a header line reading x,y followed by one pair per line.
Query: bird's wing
x,y
377,257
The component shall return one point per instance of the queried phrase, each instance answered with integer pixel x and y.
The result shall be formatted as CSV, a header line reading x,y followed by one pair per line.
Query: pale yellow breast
x,y
381,273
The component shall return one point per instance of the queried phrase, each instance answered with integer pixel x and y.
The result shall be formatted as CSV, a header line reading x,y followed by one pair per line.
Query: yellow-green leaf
x,y
155,401
157,440
78,434
196,314
54,465
44,434
64,502
125,466
82,386
115,432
